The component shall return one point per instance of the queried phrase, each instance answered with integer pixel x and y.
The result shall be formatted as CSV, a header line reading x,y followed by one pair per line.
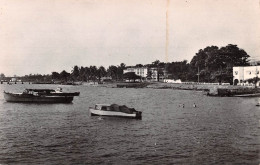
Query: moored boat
x,y
248,95
40,96
52,92
114,110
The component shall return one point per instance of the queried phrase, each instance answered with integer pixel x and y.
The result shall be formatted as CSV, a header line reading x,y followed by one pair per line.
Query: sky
x,y
42,36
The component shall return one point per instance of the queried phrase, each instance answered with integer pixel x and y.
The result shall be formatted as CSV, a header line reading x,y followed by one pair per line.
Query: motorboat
x,y
114,110
52,92
248,95
40,96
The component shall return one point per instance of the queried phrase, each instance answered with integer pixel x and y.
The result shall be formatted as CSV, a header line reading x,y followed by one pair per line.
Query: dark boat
x,y
40,96
52,92
248,95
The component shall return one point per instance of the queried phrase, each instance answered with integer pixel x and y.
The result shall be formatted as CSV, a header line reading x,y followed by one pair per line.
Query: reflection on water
x,y
219,130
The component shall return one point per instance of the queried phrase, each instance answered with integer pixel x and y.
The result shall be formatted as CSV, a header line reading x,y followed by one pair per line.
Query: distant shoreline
x,y
209,89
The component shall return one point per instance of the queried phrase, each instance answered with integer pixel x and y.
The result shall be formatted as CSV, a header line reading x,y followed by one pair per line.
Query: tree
x,y
2,76
131,76
139,65
178,70
112,71
101,72
93,73
87,74
234,56
120,71
54,75
82,73
215,65
149,74
75,73
64,75
155,63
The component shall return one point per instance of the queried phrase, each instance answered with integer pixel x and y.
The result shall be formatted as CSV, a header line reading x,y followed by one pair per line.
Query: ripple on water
x,y
219,130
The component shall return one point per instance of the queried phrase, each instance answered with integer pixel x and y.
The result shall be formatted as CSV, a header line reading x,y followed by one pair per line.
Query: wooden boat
x,y
115,110
52,92
40,96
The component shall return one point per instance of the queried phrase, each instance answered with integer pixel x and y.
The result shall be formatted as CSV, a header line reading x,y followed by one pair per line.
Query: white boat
x,y
114,110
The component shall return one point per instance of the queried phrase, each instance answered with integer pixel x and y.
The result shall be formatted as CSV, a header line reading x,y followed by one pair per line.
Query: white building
x,y
140,71
13,79
143,72
241,74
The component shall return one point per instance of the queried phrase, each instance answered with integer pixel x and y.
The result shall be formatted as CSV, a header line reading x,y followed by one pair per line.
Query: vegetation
x,y
216,64
131,76
211,64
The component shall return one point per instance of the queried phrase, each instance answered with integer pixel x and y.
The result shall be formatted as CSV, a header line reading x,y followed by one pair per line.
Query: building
x,y
143,72
13,79
140,71
243,75
155,71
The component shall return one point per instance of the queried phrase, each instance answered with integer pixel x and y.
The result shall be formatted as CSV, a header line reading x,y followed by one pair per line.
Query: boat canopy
x,y
115,107
39,90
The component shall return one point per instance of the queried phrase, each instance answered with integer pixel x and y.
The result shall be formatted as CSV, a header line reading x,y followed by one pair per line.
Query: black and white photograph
x,y
130,82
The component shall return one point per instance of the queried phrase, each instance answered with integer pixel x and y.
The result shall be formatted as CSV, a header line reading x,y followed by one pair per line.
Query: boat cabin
x,y
103,107
39,91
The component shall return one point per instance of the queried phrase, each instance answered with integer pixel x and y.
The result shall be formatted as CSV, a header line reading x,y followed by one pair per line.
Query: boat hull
x,y
64,94
248,95
94,112
9,97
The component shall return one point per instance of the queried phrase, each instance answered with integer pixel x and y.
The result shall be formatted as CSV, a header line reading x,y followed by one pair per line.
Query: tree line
x,y
211,64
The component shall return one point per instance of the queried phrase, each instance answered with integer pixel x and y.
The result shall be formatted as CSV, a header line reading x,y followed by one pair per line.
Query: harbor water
x,y
218,130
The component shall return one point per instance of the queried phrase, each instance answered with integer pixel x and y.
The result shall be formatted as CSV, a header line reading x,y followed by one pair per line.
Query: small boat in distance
x,y
41,96
114,110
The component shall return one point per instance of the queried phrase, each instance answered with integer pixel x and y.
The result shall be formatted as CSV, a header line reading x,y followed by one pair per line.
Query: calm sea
x,y
220,130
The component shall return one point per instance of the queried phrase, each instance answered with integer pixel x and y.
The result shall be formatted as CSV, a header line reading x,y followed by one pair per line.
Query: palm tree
x,y
93,73
82,73
75,72
101,72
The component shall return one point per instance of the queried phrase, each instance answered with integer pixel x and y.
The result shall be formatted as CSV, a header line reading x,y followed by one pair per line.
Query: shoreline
x,y
209,89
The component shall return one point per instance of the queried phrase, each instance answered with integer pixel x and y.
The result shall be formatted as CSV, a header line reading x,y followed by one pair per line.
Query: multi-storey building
x,y
143,72
140,71
241,74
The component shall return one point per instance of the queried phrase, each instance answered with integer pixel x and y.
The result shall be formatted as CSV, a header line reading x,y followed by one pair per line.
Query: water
x,y
219,130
